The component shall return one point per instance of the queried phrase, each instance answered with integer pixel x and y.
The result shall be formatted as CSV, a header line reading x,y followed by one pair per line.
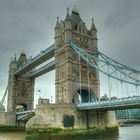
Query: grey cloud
x,y
29,25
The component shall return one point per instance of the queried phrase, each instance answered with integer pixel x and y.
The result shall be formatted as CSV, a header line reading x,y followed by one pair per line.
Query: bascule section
x,y
20,88
75,80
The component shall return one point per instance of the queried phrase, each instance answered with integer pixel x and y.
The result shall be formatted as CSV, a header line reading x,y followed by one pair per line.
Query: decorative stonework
x,y
21,89
69,66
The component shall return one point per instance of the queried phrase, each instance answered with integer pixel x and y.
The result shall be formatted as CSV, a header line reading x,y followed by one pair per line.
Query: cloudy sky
x,y
29,25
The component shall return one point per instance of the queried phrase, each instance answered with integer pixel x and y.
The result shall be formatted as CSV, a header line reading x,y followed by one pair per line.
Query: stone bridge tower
x,y
75,80
21,88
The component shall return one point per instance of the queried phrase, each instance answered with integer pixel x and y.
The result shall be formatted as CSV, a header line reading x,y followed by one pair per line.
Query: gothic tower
x,y
75,80
21,88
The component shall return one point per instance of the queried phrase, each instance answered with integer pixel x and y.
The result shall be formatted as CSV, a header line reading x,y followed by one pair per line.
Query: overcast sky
x,y
29,25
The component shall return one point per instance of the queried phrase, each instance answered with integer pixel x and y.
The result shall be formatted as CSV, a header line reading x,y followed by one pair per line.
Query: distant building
x,y
128,114
43,101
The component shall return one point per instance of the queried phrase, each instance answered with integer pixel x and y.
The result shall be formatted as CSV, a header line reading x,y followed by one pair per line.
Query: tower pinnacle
x,y
57,19
68,15
15,58
74,9
57,23
93,25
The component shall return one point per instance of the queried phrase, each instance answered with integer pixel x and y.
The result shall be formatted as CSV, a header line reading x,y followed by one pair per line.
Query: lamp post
x,y
39,94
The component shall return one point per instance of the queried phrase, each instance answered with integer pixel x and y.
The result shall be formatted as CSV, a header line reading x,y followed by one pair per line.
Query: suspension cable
x,y
80,78
136,88
109,94
127,88
117,87
138,91
88,81
3,98
122,90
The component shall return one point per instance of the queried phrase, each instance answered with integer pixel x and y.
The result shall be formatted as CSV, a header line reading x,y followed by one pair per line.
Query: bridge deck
x,y
20,116
117,104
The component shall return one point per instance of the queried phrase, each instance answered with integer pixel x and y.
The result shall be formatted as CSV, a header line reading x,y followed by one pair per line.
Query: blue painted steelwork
x,y
25,112
108,66
38,59
20,116
3,98
2,108
44,69
114,104
130,114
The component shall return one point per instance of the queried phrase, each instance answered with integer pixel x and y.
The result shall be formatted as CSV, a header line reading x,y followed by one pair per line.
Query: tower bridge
x,y
77,63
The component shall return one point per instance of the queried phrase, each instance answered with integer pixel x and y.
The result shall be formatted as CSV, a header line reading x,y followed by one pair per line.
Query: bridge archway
x,y
85,95
21,107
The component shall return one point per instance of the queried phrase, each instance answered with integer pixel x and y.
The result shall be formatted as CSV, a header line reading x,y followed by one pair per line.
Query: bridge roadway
x,y
20,116
37,60
115,104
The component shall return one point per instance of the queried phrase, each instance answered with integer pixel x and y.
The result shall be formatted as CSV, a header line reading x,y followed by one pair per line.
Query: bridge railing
x,y
121,102
24,115
25,112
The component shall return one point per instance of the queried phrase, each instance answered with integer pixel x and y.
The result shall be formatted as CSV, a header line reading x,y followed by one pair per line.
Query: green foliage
x,y
59,132
4,128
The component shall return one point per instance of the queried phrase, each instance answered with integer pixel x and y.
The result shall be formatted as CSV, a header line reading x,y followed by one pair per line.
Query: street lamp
x,y
39,94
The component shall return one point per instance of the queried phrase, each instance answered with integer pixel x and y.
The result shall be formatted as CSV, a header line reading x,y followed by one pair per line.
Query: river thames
x,y
125,133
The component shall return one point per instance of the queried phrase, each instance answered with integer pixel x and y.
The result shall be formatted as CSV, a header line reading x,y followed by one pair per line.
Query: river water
x,y
125,133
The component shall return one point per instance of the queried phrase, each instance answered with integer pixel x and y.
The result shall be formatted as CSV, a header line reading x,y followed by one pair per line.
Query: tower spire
x,y
57,22
68,15
74,9
93,25
15,58
68,11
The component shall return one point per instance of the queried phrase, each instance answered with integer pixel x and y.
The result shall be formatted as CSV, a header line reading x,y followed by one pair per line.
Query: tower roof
x,y
75,18
93,25
22,59
68,15
57,22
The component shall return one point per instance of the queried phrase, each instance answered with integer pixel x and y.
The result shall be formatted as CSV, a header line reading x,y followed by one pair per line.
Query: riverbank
x,y
12,128
125,133
96,132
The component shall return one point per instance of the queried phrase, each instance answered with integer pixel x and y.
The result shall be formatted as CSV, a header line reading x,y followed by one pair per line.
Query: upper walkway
x,y
44,69
115,104
37,60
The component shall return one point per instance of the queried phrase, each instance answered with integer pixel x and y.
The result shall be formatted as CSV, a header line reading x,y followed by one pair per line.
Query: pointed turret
x,y
67,15
93,25
15,59
74,9
13,64
57,22
68,27
11,59
22,59
93,30
57,26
